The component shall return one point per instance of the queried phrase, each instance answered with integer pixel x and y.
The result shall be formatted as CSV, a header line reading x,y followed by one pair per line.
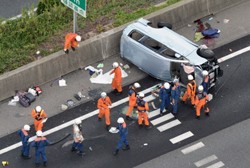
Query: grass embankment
x,y
45,29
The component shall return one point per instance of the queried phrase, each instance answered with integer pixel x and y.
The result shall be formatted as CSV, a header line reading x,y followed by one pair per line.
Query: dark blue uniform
x,y
39,143
175,93
25,142
165,98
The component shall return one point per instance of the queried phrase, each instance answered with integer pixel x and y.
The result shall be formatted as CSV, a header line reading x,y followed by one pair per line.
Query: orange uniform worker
x,y
71,41
132,94
200,102
39,115
103,105
142,108
117,80
191,90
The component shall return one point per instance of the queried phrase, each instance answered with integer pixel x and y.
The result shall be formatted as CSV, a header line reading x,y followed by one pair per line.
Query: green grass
x,y
21,38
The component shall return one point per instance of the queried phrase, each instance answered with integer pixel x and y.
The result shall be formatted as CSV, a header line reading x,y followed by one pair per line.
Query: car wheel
x,y
164,24
206,53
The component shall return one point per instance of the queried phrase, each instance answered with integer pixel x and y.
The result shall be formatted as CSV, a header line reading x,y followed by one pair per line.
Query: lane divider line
x,y
192,148
206,160
234,54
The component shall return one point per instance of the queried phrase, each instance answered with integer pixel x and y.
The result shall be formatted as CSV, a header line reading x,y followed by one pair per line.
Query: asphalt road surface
x,y
11,8
168,136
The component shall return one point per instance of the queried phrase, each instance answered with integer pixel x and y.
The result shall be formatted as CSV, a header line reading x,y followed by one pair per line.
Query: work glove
x,y
66,51
73,48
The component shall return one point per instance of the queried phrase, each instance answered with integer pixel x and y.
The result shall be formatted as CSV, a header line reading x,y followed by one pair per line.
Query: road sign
x,y
78,6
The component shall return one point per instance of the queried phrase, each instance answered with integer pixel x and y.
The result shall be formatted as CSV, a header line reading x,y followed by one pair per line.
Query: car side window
x,y
136,35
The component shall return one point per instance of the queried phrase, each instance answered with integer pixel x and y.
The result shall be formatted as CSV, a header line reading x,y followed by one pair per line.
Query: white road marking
x,y
69,123
217,165
154,113
168,125
192,148
205,160
149,98
181,137
232,55
162,119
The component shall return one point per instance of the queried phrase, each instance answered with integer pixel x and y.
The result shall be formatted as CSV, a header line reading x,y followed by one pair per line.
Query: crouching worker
x,y
201,101
78,138
71,41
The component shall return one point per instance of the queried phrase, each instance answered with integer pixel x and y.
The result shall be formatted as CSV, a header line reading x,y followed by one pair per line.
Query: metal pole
x,y
74,22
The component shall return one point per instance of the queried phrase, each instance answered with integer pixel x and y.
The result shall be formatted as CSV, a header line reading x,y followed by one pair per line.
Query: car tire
x,y
164,24
206,53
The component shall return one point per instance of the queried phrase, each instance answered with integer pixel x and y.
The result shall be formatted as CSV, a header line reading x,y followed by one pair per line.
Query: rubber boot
x,y
45,164
126,148
116,152
107,127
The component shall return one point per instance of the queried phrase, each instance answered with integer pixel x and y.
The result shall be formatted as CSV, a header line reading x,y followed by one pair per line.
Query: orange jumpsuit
x,y
132,100
200,102
190,92
103,106
142,108
38,118
117,80
70,41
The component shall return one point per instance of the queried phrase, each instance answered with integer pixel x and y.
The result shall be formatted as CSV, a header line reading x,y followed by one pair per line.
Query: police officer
x,y
123,131
40,143
164,95
78,138
23,133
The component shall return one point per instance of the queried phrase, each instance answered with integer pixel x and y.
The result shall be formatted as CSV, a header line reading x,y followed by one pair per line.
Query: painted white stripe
x,y
69,123
181,137
149,98
217,165
232,55
192,148
205,160
162,119
154,113
168,125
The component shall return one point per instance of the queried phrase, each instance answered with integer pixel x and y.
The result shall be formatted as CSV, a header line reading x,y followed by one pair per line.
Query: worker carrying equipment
x,y
142,108
132,95
39,116
123,132
23,133
191,90
201,101
71,41
117,80
104,103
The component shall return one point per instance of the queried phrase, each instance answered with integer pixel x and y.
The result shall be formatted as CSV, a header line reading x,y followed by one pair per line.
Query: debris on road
x,y
101,65
126,66
70,103
64,107
226,21
113,130
62,82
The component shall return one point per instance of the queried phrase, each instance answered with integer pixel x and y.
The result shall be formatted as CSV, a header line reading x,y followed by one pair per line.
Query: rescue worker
x,y
205,83
39,115
123,131
164,95
71,41
175,95
191,89
201,100
132,94
78,138
103,105
40,143
142,108
117,80
23,133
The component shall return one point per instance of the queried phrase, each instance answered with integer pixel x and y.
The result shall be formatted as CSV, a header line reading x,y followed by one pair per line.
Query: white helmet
x,y
39,133
200,88
120,120
204,73
103,94
78,38
175,80
78,121
115,64
26,127
38,109
137,85
166,85
190,77
141,94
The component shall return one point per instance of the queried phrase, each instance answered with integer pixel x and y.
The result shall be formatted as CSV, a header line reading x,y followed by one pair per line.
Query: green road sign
x,y
78,6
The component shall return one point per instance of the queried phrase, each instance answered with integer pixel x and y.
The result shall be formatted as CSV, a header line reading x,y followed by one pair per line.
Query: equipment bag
x,y
38,90
31,97
24,101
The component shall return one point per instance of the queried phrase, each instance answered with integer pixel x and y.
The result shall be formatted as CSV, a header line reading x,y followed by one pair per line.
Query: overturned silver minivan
x,y
162,53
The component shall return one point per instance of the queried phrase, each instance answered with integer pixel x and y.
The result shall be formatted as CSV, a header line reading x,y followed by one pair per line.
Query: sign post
x,y
78,6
